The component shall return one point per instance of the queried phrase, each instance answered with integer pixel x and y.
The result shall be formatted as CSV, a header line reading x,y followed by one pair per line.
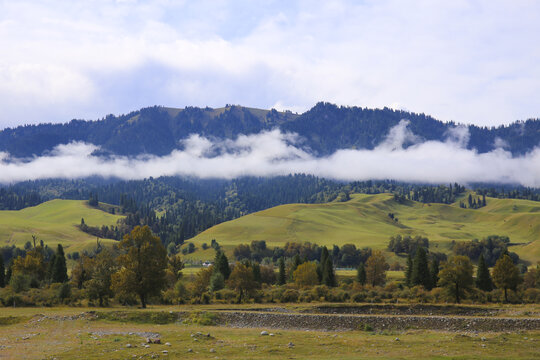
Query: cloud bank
x,y
274,153
468,61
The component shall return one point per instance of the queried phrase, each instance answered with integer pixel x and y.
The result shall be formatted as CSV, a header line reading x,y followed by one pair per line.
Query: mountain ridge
x,y
325,128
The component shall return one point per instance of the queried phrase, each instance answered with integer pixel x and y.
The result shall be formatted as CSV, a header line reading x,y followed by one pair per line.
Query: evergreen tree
x,y
361,274
322,263
8,272
282,276
256,268
434,273
408,271
221,264
483,278
420,273
59,272
50,268
2,272
329,277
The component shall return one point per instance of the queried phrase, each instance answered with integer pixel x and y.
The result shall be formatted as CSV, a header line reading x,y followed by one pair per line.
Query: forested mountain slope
x,y
324,128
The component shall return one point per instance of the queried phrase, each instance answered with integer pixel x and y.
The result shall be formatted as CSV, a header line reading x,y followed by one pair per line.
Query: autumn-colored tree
x,y
99,286
376,267
306,274
456,276
531,279
174,269
506,275
32,264
241,280
81,271
200,284
143,265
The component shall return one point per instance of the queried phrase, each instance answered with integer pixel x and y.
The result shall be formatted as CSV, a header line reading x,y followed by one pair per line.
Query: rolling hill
x,y
54,222
364,221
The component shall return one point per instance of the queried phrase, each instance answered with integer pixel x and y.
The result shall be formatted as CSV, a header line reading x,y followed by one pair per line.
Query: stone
x,y
264,333
166,352
212,350
189,350
396,339
167,344
290,344
271,334
153,340
483,338
129,345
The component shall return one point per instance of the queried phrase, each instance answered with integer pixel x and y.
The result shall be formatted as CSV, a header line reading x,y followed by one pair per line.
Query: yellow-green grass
x,y
100,339
364,221
54,222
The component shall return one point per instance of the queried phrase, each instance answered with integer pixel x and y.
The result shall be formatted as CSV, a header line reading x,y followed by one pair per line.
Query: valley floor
x,y
121,333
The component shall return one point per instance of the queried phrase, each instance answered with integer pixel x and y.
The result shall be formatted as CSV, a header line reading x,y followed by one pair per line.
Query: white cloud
x,y
474,61
275,153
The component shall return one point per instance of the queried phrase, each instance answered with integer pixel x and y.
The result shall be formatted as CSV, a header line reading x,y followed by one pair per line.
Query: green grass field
x,y
364,221
54,222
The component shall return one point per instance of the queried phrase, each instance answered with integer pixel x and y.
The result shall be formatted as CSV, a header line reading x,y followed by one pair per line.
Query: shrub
x,y
532,295
201,318
320,292
289,295
359,297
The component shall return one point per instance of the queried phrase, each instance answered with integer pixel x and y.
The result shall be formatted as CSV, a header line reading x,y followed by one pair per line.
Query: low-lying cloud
x,y
272,153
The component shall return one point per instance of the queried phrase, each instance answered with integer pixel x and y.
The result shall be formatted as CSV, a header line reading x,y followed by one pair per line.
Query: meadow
x,y
54,222
364,221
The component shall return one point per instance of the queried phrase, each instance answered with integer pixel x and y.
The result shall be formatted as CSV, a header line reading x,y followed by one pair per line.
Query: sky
x,y
466,61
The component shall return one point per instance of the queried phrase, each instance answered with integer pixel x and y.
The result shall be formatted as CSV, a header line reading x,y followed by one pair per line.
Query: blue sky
x,y
467,61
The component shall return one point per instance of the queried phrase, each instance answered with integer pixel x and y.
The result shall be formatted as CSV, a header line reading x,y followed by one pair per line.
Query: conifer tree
x,y
408,271
420,272
322,263
361,274
282,276
59,271
329,277
434,273
221,264
2,272
483,278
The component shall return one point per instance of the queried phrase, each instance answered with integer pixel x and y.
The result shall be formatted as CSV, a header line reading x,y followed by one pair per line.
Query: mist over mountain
x,y
322,130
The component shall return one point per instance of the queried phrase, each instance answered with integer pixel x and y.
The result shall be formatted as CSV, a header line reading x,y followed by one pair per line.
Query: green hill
x,y
364,221
54,222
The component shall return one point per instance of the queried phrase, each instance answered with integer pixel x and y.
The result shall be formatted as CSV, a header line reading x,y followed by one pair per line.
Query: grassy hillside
x,y
53,222
364,221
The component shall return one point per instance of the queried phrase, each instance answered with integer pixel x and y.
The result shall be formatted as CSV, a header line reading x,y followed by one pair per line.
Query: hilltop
x,y
364,221
54,222
324,129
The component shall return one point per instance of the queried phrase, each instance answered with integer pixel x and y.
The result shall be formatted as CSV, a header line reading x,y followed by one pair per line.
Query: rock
x,y
212,350
129,345
290,344
146,346
167,344
271,334
396,339
153,340
483,338
264,332
189,350
166,352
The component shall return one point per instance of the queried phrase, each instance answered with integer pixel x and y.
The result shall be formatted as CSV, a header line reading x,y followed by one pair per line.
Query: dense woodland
x,y
325,129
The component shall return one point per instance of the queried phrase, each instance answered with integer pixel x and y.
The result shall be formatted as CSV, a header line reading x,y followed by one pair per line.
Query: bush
x,y
226,294
359,297
201,318
320,292
290,295
532,295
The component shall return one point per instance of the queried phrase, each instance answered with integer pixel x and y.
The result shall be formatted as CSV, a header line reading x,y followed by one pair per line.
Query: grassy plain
x,y
51,334
364,221
54,222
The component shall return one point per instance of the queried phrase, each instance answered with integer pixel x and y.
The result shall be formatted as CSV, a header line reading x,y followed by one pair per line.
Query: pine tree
x,y
221,264
2,272
59,272
322,263
408,271
282,276
420,272
434,273
256,269
329,277
483,278
361,274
